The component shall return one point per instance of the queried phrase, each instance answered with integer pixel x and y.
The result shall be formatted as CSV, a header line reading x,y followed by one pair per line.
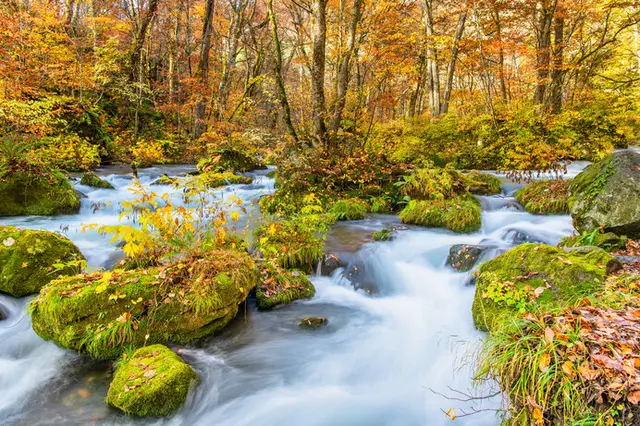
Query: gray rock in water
x,y
515,236
313,322
329,263
607,194
463,257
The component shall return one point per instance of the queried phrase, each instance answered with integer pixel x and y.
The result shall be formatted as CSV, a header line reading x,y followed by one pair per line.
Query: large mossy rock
x,y
545,197
24,194
27,259
154,381
480,183
536,276
607,195
102,314
280,287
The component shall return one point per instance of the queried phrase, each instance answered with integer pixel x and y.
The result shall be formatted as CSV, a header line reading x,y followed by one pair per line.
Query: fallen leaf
x,y
8,242
545,360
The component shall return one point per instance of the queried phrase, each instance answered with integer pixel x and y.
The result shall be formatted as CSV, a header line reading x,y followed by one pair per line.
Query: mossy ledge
x,y
93,180
27,259
154,381
23,194
460,214
102,314
534,277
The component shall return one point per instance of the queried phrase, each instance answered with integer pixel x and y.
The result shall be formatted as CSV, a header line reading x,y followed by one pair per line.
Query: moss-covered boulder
x,y
482,183
545,197
536,276
607,194
459,214
351,209
154,381
164,180
102,314
229,160
92,179
607,241
216,180
22,193
282,287
30,259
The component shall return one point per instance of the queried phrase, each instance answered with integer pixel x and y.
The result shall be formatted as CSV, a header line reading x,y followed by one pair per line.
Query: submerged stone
x,y
93,180
102,314
29,259
154,381
463,257
24,194
537,276
607,195
313,322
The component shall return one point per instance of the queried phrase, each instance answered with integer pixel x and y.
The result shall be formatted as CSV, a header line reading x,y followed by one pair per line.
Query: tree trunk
x,y
543,54
282,93
433,72
344,70
319,38
557,74
237,26
501,70
138,40
199,124
451,69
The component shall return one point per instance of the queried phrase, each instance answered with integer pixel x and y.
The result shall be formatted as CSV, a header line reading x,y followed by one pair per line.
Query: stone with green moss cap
x,y
282,288
460,214
93,180
537,276
153,382
29,259
22,193
102,314
480,183
607,195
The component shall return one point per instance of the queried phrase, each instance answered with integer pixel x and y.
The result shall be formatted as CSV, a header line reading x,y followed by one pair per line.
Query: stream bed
x,y
384,359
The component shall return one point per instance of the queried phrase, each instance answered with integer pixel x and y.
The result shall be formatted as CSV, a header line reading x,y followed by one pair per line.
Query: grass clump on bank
x,y
459,214
545,197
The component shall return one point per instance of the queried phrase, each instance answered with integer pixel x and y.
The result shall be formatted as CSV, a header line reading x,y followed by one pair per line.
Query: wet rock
x,y
463,257
93,180
313,322
632,261
539,275
515,236
172,305
154,381
360,278
329,263
27,259
607,195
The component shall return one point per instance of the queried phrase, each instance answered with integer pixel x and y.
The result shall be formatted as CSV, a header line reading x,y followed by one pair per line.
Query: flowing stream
x,y
388,355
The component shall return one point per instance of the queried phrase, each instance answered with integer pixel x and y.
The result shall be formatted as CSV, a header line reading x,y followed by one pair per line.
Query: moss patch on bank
x,y
459,214
281,287
23,193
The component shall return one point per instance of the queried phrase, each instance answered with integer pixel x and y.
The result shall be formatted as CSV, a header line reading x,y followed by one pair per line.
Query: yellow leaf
x,y
235,216
537,416
451,413
25,264
272,229
545,360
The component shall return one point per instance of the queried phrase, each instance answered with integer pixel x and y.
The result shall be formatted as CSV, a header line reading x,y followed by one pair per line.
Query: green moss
x,y
459,214
508,283
430,184
596,238
382,235
154,381
280,287
352,209
92,179
590,182
482,183
101,314
545,197
27,259
216,180
291,244
228,160
24,194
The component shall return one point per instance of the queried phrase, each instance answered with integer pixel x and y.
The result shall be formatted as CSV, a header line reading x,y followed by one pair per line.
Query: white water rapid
x,y
384,359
